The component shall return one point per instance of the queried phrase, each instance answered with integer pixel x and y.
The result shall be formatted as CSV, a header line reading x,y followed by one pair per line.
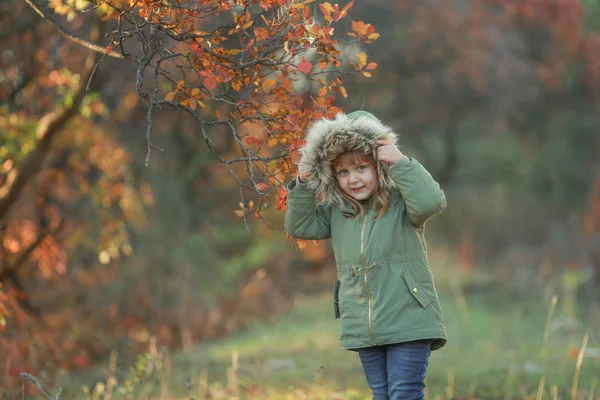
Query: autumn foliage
x,y
79,79
262,74
256,71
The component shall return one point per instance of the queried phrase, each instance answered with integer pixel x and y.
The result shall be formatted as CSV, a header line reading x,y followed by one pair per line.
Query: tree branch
x,y
92,46
49,126
37,383
10,270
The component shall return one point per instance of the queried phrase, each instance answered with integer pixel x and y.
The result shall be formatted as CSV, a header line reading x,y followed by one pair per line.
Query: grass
x,y
496,350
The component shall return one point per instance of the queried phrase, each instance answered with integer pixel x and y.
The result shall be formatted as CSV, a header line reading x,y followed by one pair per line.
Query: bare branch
x,y
89,82
65,2
37,383
92,46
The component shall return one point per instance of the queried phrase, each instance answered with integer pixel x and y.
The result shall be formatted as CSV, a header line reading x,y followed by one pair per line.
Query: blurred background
x,y
106,264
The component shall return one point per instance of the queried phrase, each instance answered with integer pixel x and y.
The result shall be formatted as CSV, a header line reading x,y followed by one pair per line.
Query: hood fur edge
x,y
326,139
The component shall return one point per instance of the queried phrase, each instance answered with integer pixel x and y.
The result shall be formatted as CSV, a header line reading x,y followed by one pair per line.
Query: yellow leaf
x,y
272,142
367,74
326,8
248,24
195,92
201,103
362,59
170,96
235,52
373,36
297,5
269,84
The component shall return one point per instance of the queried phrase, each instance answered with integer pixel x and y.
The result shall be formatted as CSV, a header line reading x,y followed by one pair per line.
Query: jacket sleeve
x,y
304,218
422,194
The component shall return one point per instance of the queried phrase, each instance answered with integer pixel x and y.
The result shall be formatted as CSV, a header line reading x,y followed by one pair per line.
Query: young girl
x,y
375,205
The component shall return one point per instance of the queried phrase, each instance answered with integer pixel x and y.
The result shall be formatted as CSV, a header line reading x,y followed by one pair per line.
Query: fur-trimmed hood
x,y
326,139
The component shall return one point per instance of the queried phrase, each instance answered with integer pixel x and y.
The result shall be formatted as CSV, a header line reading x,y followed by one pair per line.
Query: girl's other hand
x,y
303,172
388,153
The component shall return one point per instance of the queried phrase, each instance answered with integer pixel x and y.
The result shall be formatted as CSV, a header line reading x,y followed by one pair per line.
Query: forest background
x,y
141,210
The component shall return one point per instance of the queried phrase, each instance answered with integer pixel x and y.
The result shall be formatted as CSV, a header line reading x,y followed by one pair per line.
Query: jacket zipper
x,y
362,256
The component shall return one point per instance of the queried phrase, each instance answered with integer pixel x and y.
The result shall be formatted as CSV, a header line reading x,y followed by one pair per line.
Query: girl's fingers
x,y
382,142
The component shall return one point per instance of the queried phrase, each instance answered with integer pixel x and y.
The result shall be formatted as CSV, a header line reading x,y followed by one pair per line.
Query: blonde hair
x,y
380,197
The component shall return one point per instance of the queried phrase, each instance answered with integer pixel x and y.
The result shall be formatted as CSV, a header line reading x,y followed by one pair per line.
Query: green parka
x,y
385,291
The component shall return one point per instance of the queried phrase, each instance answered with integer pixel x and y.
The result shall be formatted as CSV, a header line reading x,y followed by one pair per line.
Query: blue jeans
x,y
396,372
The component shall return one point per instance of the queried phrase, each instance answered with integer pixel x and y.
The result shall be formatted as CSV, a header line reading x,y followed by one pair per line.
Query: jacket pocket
x,y
416,290
336,298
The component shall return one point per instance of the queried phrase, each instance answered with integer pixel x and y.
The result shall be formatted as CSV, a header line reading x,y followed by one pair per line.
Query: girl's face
x,y
356,174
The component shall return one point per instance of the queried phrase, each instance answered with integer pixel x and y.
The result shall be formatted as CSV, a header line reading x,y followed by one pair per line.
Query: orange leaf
x,y
347,7
335,111
269,84
326,10
343,92
371,65
358,27
170,96
251,140
109,49
210,82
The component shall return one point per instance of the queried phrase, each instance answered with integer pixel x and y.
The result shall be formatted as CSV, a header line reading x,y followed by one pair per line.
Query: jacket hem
x,y
438,335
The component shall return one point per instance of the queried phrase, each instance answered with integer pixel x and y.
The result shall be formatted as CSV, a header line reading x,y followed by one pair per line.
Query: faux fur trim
x,y
326,139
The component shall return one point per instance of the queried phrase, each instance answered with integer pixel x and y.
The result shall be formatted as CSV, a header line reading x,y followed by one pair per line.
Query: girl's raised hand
x,y
388,152
303,172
